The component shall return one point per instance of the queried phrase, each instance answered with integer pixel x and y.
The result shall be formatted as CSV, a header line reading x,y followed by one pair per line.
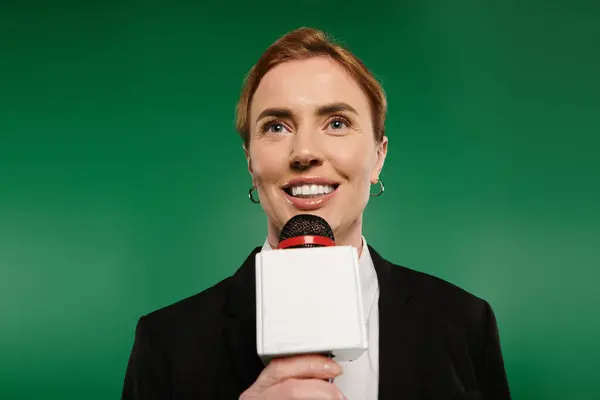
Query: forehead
x,y
307,84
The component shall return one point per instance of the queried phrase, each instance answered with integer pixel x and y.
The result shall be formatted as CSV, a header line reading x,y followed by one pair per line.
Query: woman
x,y
312,120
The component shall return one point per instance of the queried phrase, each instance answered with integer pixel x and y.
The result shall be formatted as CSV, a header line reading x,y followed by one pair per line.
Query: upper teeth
x,y
311,189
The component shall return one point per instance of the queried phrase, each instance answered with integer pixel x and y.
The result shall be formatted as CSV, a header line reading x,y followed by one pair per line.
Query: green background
x,y
123,184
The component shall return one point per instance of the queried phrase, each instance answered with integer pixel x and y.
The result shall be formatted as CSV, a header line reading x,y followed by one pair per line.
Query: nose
x,y
305,152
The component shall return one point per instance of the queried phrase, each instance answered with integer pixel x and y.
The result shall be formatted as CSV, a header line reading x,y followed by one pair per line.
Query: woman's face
x,y
312,147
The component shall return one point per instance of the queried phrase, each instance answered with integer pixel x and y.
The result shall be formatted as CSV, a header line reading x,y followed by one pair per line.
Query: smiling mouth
x,y
309,191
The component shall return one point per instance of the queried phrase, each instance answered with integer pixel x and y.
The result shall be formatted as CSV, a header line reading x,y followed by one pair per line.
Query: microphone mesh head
x,y
306,225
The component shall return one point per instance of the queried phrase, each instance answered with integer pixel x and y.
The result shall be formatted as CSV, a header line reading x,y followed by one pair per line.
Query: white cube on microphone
x,y
308,300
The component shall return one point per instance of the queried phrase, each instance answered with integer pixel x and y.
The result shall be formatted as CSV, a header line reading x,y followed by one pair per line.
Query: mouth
x,y
309,191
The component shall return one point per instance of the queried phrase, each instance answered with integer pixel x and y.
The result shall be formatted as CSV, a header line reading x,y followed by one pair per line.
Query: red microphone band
x,y
307,239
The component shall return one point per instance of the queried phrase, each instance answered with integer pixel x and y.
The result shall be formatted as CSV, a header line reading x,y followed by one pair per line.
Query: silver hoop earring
x,y
251,195
381,189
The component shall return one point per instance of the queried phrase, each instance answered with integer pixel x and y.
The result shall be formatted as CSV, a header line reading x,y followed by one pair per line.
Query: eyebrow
x,y
335,107
321,111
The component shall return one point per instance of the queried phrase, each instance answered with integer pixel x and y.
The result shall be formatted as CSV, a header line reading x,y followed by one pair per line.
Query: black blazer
x,y
436,341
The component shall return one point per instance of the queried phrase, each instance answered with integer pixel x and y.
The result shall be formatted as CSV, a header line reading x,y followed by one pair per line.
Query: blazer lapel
x,y
397,335
240,325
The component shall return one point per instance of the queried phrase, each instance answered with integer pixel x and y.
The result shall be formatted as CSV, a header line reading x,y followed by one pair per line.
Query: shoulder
x,y
426,289
447,309
195,315
462,322
201,314
447,319
437,291
441,301
176,344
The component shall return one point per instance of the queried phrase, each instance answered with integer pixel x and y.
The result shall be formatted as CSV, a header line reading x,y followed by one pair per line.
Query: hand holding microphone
x,y
303,377
309,310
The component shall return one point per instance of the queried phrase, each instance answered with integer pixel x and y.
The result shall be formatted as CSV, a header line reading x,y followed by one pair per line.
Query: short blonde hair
x,y
301,44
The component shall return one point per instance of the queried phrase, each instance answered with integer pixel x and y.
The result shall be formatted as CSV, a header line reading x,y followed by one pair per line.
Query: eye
x,y
274,127
339,123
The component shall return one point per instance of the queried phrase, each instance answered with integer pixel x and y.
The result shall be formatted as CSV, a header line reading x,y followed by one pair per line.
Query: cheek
x,y
266,165
353,162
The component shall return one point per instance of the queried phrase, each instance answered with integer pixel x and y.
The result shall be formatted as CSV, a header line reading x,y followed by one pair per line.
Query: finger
x,y
306,366
304,389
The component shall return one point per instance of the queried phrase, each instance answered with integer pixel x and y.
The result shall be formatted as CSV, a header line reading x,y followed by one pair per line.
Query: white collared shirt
x,y
360,378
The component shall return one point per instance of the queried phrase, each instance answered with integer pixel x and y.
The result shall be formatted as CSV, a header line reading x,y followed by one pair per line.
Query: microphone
x,y
308,296
306,230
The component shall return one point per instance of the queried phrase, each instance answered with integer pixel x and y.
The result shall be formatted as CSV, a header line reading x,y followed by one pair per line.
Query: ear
x,y
381,154
248,161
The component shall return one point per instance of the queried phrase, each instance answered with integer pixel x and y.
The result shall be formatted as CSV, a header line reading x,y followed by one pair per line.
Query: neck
x,y
351,236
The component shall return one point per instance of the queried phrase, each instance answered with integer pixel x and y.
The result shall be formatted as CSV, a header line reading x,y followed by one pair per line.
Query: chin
x,y
321,212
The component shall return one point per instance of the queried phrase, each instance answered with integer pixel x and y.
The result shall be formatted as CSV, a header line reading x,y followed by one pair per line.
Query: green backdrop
x,y
123,184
